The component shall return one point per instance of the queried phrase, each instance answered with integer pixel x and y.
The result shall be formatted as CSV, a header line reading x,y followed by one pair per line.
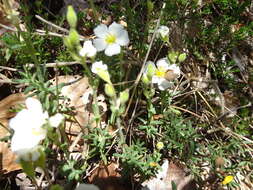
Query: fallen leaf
x,y
7,105
7,157
107,177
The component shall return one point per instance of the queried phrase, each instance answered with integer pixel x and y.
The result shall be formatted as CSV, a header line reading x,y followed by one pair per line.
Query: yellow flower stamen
x,y
227,180
37,132
159,145
153,164
160,73
110,39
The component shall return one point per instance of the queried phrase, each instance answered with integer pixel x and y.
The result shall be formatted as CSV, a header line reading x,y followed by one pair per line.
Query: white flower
x,y
86,187
110,38
101,70
88,49
163,31
165,73
56,120
28,130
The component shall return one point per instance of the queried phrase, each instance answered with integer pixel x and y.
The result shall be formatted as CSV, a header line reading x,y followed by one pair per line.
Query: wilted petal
x,y
175,69
112,49
101,31
99,44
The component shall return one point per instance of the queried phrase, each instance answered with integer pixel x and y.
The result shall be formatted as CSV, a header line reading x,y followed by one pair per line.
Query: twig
x,y
56,64
8,27
8,68
44,33
52,24
185,110
57,27
75,142
144,62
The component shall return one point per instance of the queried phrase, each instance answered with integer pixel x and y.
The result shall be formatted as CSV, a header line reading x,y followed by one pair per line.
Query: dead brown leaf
x,y
7,158
107,177
79,97
6,110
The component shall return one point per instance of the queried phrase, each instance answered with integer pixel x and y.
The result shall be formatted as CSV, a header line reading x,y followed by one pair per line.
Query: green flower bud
x,y
145,79
71,17
109,90
159,145
150,6
123,96
67,42
73,37
151,69
182,57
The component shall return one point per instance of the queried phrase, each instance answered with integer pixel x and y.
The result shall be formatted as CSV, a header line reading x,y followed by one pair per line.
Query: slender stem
x,y
121,135
144,62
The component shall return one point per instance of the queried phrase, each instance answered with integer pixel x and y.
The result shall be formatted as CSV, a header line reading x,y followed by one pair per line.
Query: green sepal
x,y
28,168
41,162
56,187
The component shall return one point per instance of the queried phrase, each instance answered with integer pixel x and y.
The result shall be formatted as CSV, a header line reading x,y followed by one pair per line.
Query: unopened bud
x,y
71,17
73,37
123,96
145,79
159,145
109,90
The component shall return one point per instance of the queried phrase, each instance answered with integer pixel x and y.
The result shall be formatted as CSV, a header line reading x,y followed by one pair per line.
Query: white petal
x,y
163,31
112,49
115,29
101,31
156,79
164,84
163,64
33,104
99,44
122,39
98,65
88,49
86,187
56,120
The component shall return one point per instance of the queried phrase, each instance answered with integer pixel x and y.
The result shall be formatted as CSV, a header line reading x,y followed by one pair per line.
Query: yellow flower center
x,y
227,180
160,73
153,164
110,39
37,132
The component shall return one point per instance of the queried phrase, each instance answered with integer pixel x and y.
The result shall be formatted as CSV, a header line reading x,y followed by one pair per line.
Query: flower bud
x,y
71,17
73,37
145,79
123,96
159,145
109,90
151,69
